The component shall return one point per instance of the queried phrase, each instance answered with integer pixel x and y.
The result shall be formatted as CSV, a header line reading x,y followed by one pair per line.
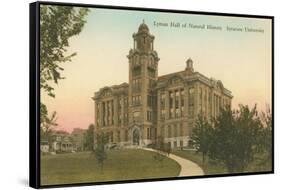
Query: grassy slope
x,y
211,167
120,165
208,167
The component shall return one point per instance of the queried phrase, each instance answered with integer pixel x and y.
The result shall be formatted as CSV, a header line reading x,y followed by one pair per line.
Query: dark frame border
x,y
34,91
34,95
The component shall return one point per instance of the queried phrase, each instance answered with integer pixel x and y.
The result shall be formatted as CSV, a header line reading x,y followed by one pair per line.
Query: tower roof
x,y
189,61
189,65
143,27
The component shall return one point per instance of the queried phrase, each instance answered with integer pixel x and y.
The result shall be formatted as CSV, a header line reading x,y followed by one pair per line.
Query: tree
x,y
161,149
234,140
57,25
201,136
89,138
99,150
159,144
47,124
265,138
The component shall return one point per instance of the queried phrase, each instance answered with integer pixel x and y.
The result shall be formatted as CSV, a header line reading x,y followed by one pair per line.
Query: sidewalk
x,y
188,168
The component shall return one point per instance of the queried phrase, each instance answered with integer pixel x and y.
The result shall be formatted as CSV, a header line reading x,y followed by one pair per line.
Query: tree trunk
x,y
203,158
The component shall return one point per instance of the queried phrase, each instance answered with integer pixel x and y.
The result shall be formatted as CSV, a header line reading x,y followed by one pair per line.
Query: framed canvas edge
x,y
34,97
34,92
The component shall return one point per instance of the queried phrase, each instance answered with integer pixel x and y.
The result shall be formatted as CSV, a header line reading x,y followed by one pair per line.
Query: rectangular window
x,y
205,102
112,112
163,112
175,130
177,113
103,113
177,102
126,118
136,71
182,92
149,101
118,136
139,85
136,85
120,104
171,97
149,116
177,99
169,131
162,132
171,103
136,100
98,109
133,100
181,129
150,83
182,101
171,112
191,96
125,102
151,72
162,106
190,127
162,101
175,144
126,135
107,112
191,102
119,118
200,99
210,103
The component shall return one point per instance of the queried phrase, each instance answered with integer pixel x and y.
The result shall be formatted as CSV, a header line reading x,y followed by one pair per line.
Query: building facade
x,y
78,138
62,142
151,106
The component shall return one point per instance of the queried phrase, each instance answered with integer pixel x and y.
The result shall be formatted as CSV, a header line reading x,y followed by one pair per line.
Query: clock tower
x,y
143,73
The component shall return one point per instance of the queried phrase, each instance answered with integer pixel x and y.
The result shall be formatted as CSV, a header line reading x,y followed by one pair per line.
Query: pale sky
x,y
241,60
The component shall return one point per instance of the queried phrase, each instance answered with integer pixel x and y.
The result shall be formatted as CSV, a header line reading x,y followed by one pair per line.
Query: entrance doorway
x,y
136,137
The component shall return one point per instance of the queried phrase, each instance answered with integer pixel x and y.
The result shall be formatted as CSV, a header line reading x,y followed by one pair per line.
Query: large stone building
x,y
150,106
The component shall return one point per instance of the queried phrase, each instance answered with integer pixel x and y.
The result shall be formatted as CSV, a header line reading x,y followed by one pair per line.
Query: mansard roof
x,y
165,80
115,90
168,76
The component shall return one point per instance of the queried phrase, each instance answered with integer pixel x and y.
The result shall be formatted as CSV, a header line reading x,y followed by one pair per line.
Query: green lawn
x,y
211,167
120,165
